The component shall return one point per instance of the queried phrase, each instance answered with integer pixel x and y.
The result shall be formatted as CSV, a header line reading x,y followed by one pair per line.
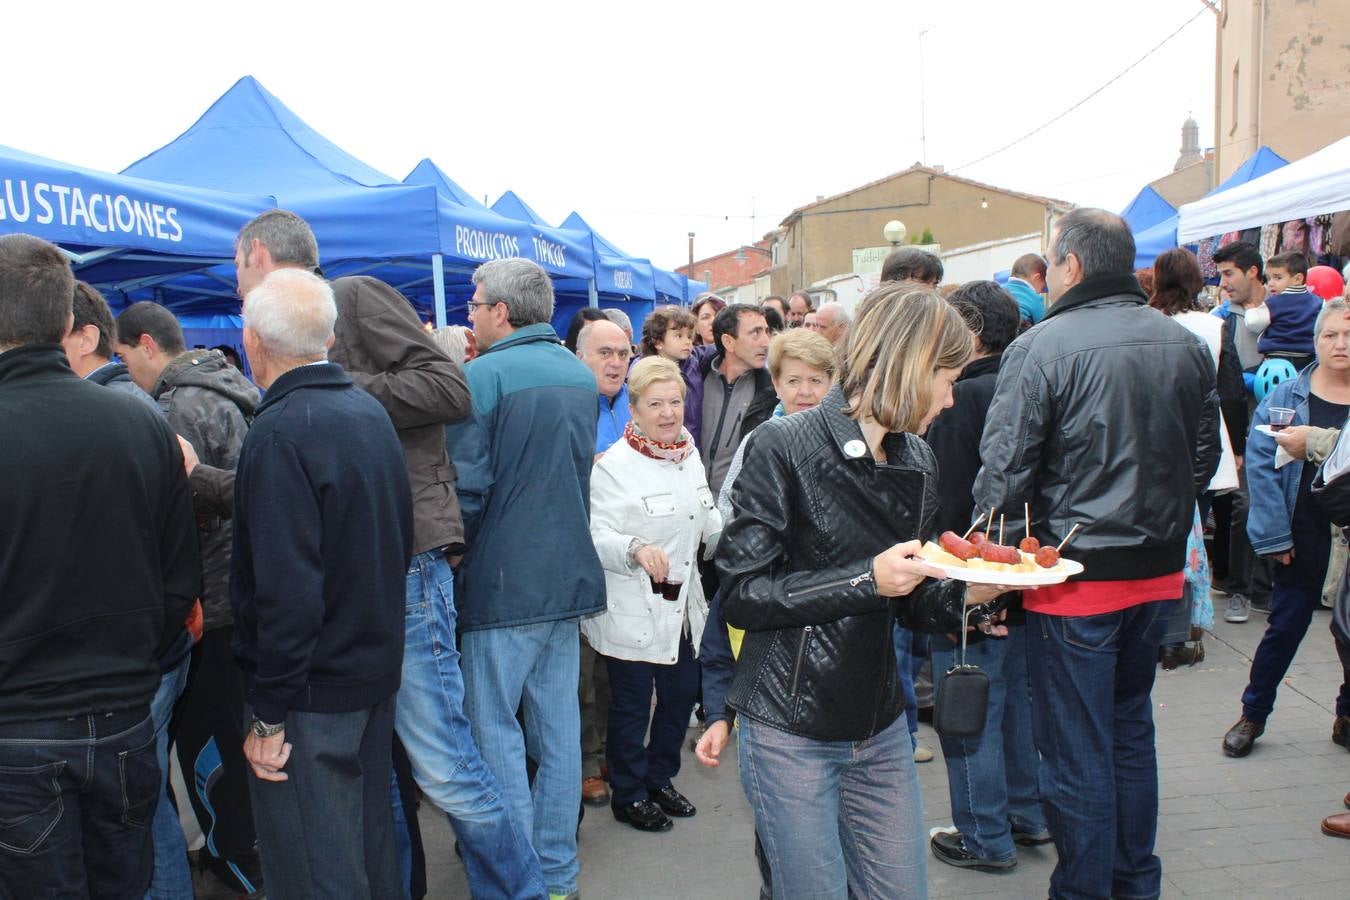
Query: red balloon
x,y
1325,282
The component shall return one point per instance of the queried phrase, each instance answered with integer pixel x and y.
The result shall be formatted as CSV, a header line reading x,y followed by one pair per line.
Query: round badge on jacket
x,y
855,449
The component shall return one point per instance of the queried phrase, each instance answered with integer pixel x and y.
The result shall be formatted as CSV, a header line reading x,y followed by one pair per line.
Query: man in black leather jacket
x,y
1105,416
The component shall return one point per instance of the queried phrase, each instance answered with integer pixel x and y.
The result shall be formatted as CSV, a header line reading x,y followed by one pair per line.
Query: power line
x,y
1117,77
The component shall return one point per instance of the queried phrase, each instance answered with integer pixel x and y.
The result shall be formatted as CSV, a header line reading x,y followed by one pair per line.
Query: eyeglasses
x,y
472,303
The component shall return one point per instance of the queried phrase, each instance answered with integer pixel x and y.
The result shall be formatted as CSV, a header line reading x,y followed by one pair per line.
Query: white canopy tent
x,y
1316,184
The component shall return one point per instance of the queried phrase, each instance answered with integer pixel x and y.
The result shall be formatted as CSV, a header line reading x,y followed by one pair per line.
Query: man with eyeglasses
x,y
530,570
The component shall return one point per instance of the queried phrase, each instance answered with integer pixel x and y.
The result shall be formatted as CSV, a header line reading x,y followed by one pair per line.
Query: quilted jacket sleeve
x,y
759,592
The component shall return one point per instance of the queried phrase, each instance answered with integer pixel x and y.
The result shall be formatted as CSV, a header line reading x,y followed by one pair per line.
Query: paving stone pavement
x,y
1227,827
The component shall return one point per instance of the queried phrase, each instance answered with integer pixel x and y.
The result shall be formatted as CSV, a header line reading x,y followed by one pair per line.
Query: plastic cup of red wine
x,y
1280,417
669,590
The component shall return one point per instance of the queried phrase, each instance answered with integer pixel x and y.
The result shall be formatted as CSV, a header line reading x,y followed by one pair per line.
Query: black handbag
x,y
962,701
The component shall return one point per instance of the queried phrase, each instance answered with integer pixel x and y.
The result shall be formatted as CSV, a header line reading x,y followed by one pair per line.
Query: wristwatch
x,y
263,730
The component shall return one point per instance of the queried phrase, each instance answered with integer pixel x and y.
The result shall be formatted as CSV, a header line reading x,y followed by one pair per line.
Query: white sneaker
x,y
922,754
1239,609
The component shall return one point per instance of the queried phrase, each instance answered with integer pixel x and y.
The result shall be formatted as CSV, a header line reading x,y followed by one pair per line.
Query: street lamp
x,y
894,232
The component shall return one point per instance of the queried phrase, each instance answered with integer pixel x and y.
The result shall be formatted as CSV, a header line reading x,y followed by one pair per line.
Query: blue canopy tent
x,y
212,330
670,287
118,230
563,254
1147,209
615,271
569,294
629,279
1162,236
409,235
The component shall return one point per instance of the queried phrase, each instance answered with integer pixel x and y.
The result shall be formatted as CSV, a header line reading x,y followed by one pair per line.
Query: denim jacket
x,y
1274,492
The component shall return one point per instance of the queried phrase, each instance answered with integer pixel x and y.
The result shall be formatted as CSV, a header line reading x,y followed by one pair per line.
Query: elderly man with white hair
x,y
322,538
832,322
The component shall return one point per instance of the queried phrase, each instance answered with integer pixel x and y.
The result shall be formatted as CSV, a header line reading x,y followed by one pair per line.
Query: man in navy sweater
x,y
322,538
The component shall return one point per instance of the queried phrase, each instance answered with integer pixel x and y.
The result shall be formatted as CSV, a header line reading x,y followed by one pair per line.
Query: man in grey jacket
x,y
380,343
209,403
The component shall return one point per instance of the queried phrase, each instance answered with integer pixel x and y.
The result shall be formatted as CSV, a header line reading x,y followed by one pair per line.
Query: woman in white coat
x,y
650,509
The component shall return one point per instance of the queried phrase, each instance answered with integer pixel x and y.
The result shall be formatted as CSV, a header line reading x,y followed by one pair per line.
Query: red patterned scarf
x,y
676,452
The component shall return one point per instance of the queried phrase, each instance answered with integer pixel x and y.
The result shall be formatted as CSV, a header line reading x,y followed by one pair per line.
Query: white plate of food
x,y
1026,573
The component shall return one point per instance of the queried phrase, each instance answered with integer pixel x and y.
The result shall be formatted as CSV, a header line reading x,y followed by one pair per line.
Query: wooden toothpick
x,y
1067,537
1026,507
1000,529
972,526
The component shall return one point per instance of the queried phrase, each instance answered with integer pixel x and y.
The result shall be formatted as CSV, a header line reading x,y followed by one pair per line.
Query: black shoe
x,y
672,802
1187,654
951,849
1030,838
644,815
1241,737
1340,732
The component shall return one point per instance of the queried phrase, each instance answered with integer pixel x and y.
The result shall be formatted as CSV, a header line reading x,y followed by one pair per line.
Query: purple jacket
x,y
695,369
693,373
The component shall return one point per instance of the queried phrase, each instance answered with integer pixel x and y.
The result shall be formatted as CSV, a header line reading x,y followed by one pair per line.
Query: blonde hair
x,y
649,371
904,333
801,344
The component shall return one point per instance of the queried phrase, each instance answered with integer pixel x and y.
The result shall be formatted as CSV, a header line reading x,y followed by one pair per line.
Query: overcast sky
x,y
651,120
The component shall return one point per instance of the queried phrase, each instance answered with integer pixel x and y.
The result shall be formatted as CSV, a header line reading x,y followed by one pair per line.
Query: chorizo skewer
x,y
997,553
957,546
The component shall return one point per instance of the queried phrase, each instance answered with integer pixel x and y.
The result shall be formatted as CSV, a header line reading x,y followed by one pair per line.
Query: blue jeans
x,y
402,840
836,817
1291,612
1091,681
907,665
638,766
172,879
992,778
535,668
76,799
436,734
328,830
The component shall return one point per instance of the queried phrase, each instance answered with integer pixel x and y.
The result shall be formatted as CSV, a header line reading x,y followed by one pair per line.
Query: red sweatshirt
x,y
1092,598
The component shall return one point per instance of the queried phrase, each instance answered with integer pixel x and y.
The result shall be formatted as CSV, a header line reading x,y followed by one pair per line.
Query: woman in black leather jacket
x,y
816,562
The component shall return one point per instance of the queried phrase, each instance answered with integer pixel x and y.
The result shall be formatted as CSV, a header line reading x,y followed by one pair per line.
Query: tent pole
x,y
594,298
438,282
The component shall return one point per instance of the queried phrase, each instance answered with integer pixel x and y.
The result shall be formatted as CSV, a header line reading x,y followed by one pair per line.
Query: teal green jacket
x,y
524,462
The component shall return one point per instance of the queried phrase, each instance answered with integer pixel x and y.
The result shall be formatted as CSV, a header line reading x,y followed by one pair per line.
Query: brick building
x,y
736,274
